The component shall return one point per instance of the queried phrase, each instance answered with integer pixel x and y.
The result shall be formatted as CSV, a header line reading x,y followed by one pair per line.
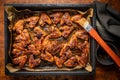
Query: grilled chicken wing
x,y
66,19
82,60
53,47
24,36
47,56
59,61
72,62
73,42
76,18
31,21
18,52
19,49
54,32
66,30
84,47
39,32
33,50
56,17
18,27
21,60
82,34
38,43
33,62
20,45
44,18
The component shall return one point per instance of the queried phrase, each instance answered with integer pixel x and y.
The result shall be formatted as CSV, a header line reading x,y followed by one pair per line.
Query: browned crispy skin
x,y
66,30
21,60
64,49
33,50
54,32
58,61
39,32
53,47
82,60
31,21
56,17
76,18
73,42
82,34
19,49
18,27
66,19
72,62
38,43
24,36
44,18
18,52
47,56
20,45
83,46
66,52
33,62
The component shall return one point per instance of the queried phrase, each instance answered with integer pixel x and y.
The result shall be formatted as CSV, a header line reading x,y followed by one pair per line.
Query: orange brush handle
x,y
95,35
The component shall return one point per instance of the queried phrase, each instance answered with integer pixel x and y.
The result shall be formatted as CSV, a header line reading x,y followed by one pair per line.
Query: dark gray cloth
x,y
108,23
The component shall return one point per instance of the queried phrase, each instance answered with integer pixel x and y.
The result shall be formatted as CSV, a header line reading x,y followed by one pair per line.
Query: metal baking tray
x,y
41,7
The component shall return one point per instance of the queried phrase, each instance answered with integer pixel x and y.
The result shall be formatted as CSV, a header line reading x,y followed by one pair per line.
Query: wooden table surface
x,y
102,72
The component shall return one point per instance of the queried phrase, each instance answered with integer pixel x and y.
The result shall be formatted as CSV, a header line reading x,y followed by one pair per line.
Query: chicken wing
x,y
21,60
33,50
33,62
82,34
59,61
73,42
76,18
39,32
53,47
54,32
44,18
31,21
83,45
66,19
47,56
66,30
72,62
18,27
56,17
24,36
82,60
19,49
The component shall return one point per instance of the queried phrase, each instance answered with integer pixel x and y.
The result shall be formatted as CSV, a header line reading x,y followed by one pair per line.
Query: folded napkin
x,y
108,23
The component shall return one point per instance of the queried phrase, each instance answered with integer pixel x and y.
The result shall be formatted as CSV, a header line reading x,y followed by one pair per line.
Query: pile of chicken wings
x,y
55,38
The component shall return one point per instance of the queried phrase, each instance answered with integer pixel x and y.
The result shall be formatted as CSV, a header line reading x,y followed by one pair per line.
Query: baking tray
x,y
41,7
